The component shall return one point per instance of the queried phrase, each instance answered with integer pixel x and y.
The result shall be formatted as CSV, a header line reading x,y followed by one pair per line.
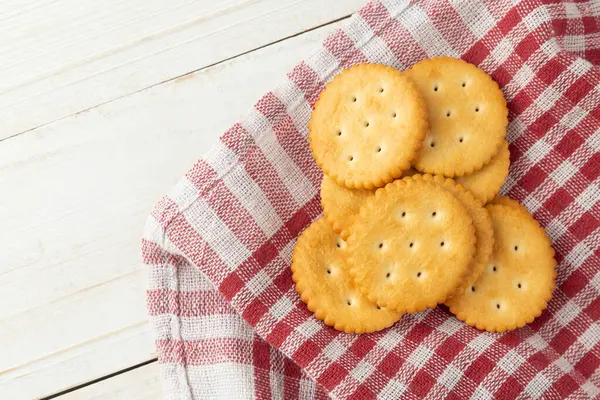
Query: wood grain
x,y
60,57
143,383
76,193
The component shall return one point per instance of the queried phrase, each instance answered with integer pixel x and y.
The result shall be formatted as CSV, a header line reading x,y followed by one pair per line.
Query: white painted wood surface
x,y
97,125
142,383
60,57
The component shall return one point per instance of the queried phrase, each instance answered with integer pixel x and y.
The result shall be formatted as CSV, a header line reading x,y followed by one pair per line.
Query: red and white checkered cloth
x,y
229,323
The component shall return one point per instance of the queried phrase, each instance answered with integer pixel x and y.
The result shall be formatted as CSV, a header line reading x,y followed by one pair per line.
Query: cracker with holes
x,y
367,126
519,279
467,116
486,182
322,280
483,229
411,245
340,204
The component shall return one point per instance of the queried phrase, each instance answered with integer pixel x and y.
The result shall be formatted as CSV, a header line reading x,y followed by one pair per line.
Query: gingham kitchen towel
x,y
228,321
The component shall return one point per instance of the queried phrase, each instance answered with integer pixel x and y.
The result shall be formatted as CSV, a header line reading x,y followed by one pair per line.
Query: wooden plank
x,y
75,339
142,383
76,194
61,57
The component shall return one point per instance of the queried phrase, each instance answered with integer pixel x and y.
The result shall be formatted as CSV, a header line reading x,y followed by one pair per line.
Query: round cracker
x,y
410,245
507,201
482,223
517,284
467,116
320,272
486,182
367,126
340,204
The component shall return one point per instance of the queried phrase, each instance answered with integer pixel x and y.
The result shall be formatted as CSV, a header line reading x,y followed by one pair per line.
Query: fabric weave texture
x,y
228,322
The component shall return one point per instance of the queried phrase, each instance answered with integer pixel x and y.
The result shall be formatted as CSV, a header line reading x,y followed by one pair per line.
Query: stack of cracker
x,y
413,162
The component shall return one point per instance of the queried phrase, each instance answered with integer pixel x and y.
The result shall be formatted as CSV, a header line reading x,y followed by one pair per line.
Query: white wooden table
x,y
103,106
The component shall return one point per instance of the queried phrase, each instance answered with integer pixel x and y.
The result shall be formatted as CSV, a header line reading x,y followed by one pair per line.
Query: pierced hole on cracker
x,y
349,302
403,214
494,268
367,123
519,285
442,244
411,244
461,140
435,88
388,275
380,90
339,133
354,99
329,271
432,144
418,274
498,306
379,308
394,114
433,214
477,109
447,113
464,84
473,289
351,158
516,248
379,149
381,245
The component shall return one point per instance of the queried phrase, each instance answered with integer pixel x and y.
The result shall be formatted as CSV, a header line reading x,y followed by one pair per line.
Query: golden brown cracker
x,y
367,126
340,204
483,229
486,182
507,201
519,279
322,280
467,116
410,245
